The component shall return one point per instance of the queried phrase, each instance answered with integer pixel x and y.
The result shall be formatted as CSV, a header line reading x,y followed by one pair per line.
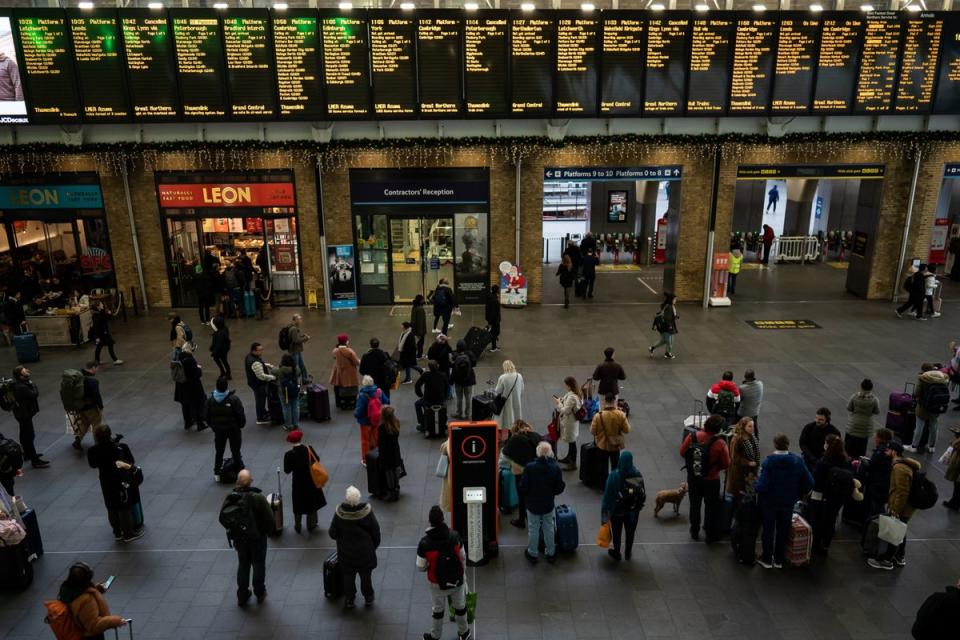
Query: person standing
x,y
927,416
744,458
308,498
665,323
608,427
418,322
367,416
879,468
463,378
833,484
440,554
357,533
114,462
288,382
346,370
703,479
620,506
408,350
567,407
88,607
431,390
751,398
190,393
492,316
783,479
100,333
220,345
298,338
510,386
13,463
519,450
567,274
540,483
13,310
952,475
27,405
388,444
441,353
929,288
915,287
813,438
861,408
91,414
180,334
898,506
258,377
225,415
589,270
937,616
609,373
767,238
589,243
374,364
736,262
250,542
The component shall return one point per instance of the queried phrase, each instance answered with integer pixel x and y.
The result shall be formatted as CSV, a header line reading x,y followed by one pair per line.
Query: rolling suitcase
x,y
434,420
477,339
481,408
228,471
870,538
16,572
249,304
376,479
724,522
332,577
318,399
593,466
580,288
276,506
345,397
901,418
303,403
507,494
32,526
744,532
26,347
568,533
799,542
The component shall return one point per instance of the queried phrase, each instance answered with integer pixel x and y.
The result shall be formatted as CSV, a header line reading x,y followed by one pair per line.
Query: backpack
x,y
659,322
374,409
236,516
840,483
448,570
284,338
61,621
390,371
8,401
923,493
725,404
187,333
936,398
698,457
71,390
11,456
461,369
440,297
177,374
632,495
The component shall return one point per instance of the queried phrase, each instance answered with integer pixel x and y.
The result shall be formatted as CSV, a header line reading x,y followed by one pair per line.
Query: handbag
x,y
553,429
605,535
401,469
500,400
443,466
892,530
317,472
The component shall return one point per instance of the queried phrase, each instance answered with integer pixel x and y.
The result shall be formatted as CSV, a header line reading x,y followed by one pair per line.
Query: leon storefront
x,y
213,220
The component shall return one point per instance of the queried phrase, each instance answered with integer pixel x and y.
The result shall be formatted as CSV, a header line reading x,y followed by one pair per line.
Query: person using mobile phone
x,y
87,604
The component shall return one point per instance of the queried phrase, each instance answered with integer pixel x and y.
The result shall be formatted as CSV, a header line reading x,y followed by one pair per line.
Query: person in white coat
x,y
510,386
567,407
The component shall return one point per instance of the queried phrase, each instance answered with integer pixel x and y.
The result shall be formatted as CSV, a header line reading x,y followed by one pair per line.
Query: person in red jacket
x,y
704,484
440,554
723,398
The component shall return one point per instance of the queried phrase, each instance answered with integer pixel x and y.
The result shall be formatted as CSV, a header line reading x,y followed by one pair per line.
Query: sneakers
x,y
436,331
765,564
669,356
117,362
936,314
261,596
39,463
531,559
885,565
407,381
900,562
650,351
264,421
910,448
777,565
495,349
899,315
135,536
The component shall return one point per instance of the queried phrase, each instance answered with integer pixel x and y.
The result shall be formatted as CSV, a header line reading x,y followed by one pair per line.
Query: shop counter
x,y
61,330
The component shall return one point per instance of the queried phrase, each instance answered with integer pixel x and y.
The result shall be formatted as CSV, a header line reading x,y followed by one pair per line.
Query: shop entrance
x,y
421,252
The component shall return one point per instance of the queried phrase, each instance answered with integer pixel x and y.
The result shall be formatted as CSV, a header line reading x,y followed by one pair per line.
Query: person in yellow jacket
x,y
736,260
898,506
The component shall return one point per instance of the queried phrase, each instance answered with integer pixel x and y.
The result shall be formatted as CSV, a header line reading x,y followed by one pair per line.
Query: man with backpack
x,y
224,414
910,489
706,455
248,519
440,554
81,397
431,389
932,397
784,479
723,398
258,377
292,339
26,406
444,302
463,378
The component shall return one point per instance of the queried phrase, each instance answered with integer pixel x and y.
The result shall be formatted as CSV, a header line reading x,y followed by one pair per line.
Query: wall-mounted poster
x,y
13,108
470,245
340,266
513,286
617,206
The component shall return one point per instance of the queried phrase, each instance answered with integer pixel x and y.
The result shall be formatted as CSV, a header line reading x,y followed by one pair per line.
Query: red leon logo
x,y
473,447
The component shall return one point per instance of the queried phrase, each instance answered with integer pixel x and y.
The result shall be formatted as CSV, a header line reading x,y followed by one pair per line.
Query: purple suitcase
x,y
902,402
901,418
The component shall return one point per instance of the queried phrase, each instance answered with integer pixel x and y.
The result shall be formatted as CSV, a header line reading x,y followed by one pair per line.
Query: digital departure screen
x,y
621,73
48,71
196,34
666,64
296,45
919,55
485,49
878,63
576,64
150,70
531,56
709,71
97,50
840,40
346,71
948,79
796,63
438,63
248,49
752,73
393,65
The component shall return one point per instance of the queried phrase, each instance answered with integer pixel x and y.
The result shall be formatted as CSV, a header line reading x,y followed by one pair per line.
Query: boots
x,y
569,462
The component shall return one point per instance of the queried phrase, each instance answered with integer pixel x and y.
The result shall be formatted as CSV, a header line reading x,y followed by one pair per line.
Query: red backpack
x,y
61,621
374,409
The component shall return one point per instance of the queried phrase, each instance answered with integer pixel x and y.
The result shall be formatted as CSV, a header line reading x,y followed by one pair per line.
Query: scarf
x,y
751,447
403,338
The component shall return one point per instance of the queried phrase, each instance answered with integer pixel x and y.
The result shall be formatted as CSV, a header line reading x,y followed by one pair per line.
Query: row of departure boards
x,y
106,65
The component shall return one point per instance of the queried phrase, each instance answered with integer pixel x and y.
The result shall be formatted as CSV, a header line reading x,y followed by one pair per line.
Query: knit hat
x,y
343,338
295,436
436,516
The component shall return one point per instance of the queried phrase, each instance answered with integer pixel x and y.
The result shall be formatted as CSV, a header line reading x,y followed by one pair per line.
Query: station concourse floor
x,y
177,581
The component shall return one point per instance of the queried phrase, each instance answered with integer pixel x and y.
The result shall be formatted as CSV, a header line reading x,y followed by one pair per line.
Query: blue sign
x,y
604,174
818,212
434,264
951,170
51,196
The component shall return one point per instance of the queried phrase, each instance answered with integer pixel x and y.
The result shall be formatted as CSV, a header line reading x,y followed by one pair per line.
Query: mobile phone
x,y
108,582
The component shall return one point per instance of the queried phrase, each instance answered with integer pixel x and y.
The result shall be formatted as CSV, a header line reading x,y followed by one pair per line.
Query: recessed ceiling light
x,y
657,7
280,6
345,6
702,7
759,7
587,6
220,5
866,8
527,6
471,6
407,6
914,8
816,8
86,6
156,6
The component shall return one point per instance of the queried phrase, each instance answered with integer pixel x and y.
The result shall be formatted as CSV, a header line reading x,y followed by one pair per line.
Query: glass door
x,y
183,261
421,253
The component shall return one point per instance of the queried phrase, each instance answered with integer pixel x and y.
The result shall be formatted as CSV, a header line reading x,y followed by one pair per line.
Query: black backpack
x,y
390,371
659,322
840,482
284,339
11,456
632,496
236,516
461,369
726,403
936,398
698,457
923,493
449,569
8,401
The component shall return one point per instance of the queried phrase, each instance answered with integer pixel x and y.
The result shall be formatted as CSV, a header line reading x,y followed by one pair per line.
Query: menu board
x,y
248,51
438,62
919,56
947,98
621,74
95,36
666,64
878,63
196,34
48,72
150,70
839,55
296,45
531,44
752,72
709,70
393,65
485,48
576,64
796,63
346,71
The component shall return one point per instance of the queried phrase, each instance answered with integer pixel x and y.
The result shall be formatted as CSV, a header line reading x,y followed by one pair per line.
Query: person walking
x,y
26,405
119,483
374,364
247,516
751,399
440,554
444,302
665,323
510,386
767,238
567,274
491,313
929,288
744,458
706,455
225,415
783,479
519,450
463,378
190,393
345,375
573,252
833,484
589,271
736,263
388,444
88,608
298,339
952,475
407,352
540,483
622,501
899,507
813,438
914,285
220,345
418,322
357,533
608,427
928,405
368,414
258,377
308,498
100,333
861,408
609,373
91,414
568,405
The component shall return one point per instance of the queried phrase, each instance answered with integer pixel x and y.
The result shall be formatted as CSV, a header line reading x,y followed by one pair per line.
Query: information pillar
x,y
474,452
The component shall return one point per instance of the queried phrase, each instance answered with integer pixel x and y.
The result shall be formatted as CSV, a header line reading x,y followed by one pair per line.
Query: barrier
x,y
796,248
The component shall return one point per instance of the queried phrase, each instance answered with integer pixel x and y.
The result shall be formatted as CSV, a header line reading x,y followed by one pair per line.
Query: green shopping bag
x,y
471,605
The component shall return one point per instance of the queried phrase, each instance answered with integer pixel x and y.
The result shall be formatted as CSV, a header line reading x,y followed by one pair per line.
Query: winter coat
x,y
373,364
784,478
260,508
953,467
25,393
345,367
91,612
821,479
540,482
608,428
615,483
718,458
103,458
436,541
389,446
408,350
91,391
570,403
469,378
923,381
360,412
433,387
812,440
521,449
491,309
862,406
447,303
288,383
513,409
566,276
100,329
901,477
937,616
297,340
225,416
357,533
418,320
741,472
307,498
669,318
751,397
220,345
608,373
190,391
440,353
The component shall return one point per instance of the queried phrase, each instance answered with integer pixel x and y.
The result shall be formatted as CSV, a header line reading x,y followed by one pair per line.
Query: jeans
x,y
291,413
439,597
252,553
446,321
350,583
625,521
922,424
776,530
665,339
406,375
220,439
887,551
419,349
298,362
100,345
917,305
260,401
590,283
535,523
464,398
731,283
27,436
706,492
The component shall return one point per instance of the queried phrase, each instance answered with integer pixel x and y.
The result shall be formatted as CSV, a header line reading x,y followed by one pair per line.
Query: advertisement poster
x,y
617,206
938,241
470,242
285,257
340,265
775,205
513,286
13,109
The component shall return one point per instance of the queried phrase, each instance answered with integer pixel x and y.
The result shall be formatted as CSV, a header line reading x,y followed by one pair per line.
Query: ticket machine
x,y
474,453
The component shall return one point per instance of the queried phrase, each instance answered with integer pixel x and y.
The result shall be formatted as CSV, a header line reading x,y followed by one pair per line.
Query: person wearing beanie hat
x,y
345,376
308,498
446,579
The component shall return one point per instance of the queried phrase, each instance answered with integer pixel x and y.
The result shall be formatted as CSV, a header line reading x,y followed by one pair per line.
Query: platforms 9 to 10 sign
x,y
108,65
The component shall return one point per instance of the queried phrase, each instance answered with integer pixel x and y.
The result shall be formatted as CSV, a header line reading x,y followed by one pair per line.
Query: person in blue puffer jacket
x,y
368,431
783,480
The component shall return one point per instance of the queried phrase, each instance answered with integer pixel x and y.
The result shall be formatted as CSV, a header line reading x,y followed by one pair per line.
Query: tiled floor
x,y
177,581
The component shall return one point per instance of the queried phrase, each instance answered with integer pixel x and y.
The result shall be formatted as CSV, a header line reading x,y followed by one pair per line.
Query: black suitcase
x,y
34,541
743,534
275,500
228,471
477,339
26,347
332,577
318,399
376,479
434,420
274,406
16,572
594,466
580,288
724,522
345,397
481,408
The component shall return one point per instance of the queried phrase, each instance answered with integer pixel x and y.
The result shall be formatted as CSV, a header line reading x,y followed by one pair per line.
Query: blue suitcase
x,y
26,347
249,304
34,541
568,533
509,498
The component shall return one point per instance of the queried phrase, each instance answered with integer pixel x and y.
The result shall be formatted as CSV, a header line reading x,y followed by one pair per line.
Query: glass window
x,y
372,246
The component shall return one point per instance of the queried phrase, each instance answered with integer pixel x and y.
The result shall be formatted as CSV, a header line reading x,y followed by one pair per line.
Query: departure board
x,y
95,36
531,63
796,63
878,63
196,34
393,65
248,52
346,71
576,64
919,55
48,71
485,49
150,70
296,45
839,55
438,62
666,64
947,98
751,75
711,44
621,74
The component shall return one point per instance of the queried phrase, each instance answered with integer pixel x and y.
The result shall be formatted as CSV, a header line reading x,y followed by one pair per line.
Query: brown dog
x,y
673,496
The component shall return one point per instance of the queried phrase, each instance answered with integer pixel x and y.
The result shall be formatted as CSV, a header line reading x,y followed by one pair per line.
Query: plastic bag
x,y
605,535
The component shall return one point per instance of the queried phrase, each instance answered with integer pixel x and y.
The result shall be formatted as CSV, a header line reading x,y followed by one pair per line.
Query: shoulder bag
x,y
317,472
500,401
